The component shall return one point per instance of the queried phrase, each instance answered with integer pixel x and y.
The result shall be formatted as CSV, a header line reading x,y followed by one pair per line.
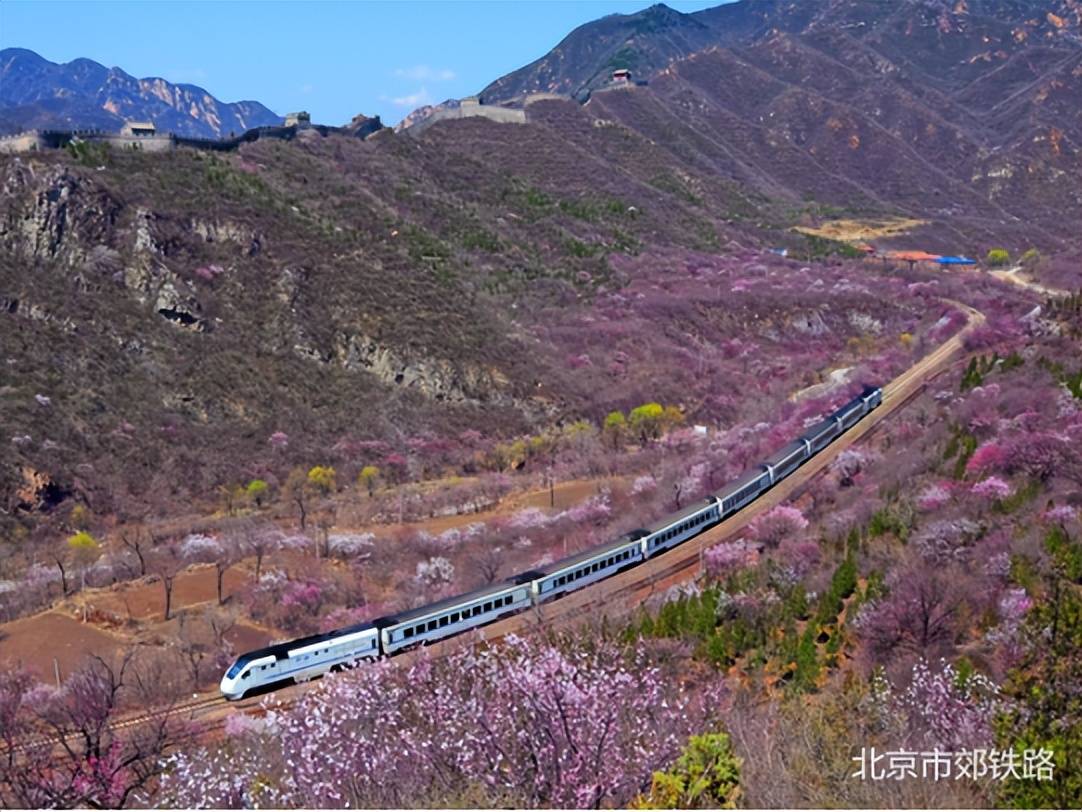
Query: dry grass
x,y
859,230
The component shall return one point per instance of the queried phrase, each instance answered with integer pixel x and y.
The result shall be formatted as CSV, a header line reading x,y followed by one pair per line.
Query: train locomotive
x,y
308,657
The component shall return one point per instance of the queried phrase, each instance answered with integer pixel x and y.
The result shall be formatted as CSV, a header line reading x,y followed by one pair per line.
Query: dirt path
x,y
1015,277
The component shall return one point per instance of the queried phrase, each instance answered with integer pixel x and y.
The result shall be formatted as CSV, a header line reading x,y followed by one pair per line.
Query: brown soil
x,y
567,494
33,642
145,600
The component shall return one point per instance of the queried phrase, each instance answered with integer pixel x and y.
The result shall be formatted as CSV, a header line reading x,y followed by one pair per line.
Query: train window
x,y
488,606
455,617
443,621
409,632
246,674
431,625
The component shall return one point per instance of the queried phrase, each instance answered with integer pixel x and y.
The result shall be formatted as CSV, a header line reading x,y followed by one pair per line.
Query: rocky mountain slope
x,y
38,94
957,32
965,113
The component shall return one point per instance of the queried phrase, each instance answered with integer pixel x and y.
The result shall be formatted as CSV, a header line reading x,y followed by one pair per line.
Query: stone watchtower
x,y
143,128
300,119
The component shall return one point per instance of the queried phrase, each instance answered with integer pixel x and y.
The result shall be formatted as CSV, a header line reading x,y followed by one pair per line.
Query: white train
x,y
308,657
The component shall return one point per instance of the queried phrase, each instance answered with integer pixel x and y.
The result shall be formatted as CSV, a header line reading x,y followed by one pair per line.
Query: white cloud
x,y
413,100
423,73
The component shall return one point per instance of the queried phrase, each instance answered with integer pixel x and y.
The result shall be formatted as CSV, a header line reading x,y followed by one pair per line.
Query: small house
x,y
621,76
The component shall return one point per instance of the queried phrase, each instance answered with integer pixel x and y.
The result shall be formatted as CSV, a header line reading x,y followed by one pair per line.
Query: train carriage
x,y
584,568
744,490
679,527
454,615
787,459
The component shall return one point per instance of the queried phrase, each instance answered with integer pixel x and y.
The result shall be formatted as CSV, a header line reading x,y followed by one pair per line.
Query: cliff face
x,y
38,94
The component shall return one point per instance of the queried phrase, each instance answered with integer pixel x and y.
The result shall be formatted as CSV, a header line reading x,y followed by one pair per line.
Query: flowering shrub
x,y
1061,515
783,521
722,560
436,572
534,726
993,489
795,559
934,497
945,709
643,484
596,509
200,547
306,595
991,456
848,465
947,540
532,517
351,545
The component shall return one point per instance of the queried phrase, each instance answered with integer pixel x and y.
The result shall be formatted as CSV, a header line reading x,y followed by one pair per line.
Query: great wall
x,y
145,138
38,140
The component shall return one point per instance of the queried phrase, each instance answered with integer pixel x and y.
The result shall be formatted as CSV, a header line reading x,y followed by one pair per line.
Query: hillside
x,y
967,114
82,94
175,311
948,34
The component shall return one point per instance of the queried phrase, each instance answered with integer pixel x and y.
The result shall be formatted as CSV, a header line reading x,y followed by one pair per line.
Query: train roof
x,y
454,600
593,552
744,480
818,429
695,507
780,455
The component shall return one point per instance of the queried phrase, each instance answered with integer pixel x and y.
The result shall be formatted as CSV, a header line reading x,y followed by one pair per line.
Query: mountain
x,y
175,311
965,113
644,42
38,94
648,41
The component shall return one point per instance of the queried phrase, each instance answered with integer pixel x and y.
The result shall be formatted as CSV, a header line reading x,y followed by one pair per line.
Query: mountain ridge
x,y
36,93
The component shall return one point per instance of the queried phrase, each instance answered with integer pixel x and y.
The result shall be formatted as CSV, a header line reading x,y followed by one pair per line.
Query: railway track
x,y
616,596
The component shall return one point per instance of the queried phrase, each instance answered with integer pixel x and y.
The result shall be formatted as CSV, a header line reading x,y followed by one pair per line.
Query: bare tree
x,y
296,491
918,616
259,541
193,647
488,563
64,749
137,539
167,562
325,520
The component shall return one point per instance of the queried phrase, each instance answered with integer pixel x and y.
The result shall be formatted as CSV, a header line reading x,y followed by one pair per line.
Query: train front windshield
x,y
234,670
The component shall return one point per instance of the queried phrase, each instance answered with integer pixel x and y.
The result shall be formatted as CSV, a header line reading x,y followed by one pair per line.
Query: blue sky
x,y
334,59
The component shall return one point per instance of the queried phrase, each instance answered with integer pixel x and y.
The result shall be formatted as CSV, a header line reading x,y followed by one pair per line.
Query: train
x,y
309,657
